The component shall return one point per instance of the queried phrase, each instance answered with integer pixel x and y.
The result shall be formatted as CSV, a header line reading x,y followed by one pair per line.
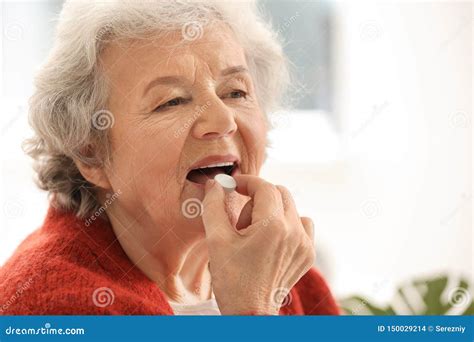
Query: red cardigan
x,y
66,267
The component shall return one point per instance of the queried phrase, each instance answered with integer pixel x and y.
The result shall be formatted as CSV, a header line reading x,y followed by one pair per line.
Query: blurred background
x,y
377,147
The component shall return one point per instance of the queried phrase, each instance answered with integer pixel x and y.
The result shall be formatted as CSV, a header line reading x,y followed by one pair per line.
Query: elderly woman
x,y
138,107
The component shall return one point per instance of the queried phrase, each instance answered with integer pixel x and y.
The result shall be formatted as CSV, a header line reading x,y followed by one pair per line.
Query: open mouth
x,y
202,174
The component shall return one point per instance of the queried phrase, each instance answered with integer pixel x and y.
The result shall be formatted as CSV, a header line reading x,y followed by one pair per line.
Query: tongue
x,y
202,175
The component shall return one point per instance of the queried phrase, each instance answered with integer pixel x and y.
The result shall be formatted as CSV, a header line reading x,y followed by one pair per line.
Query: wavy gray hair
x,y
70,88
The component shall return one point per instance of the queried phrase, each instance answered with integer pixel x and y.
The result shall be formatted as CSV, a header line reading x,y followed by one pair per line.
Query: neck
x,y
180,268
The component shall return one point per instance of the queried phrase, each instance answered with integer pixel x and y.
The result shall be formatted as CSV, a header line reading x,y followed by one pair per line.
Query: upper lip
x,y
214,159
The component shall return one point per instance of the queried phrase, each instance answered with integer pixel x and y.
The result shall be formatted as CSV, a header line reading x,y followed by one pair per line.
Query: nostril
x,y
211,135
214,127
216,135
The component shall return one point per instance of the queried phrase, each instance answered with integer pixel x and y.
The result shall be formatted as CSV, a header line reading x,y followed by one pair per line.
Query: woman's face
x,y
179,105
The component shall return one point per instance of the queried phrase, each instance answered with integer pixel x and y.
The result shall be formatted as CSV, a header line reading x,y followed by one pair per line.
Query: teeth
x,y
217,165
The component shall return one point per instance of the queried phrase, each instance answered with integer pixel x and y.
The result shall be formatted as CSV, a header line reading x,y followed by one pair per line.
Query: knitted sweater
x,y
68,268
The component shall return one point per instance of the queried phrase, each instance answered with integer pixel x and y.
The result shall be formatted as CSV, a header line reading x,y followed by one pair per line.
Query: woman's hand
x,y
253,268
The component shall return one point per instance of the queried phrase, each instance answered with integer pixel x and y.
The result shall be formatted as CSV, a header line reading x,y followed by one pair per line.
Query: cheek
x,y
254,136
145,169
146,158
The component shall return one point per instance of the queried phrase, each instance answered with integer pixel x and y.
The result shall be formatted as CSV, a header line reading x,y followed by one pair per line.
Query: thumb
x,y
214,215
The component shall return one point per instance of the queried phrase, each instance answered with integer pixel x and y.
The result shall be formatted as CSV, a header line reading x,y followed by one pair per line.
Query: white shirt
x,y
206,308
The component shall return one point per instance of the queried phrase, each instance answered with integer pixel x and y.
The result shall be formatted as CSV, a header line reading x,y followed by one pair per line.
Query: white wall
x,y
396,202
25,39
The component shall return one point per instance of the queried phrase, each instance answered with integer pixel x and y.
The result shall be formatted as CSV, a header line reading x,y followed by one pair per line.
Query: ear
x,y
94,174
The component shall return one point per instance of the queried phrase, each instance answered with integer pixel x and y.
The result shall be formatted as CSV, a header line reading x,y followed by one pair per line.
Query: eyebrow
x,y
177,80
233,70
165,80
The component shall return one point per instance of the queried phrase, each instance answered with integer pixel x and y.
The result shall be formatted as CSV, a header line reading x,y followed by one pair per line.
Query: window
x,y
306,29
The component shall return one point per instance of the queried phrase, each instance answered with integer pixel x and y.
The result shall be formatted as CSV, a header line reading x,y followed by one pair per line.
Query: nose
x,y
215,121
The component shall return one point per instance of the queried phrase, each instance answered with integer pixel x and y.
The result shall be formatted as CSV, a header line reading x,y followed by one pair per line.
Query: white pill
x,y
227,182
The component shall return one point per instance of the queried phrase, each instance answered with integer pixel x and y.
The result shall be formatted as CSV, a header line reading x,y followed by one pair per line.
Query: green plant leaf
x,y
439,295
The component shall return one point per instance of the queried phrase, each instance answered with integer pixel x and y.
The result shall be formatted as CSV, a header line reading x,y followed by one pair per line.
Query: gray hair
x,y
70,89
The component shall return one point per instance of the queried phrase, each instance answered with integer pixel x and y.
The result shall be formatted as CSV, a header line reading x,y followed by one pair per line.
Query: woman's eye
x,y
237,94
171,103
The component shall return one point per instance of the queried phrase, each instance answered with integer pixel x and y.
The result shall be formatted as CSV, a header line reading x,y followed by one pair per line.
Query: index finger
x,y
248,185
267,201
